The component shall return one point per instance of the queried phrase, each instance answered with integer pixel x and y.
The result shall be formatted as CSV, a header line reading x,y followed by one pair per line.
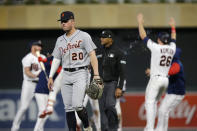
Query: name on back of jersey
x,y
167,51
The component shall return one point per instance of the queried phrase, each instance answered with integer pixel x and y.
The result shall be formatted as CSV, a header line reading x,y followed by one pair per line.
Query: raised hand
x,y
172,22
140,18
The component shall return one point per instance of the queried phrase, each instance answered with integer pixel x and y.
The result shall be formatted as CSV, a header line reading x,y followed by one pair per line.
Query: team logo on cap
x,y
62,14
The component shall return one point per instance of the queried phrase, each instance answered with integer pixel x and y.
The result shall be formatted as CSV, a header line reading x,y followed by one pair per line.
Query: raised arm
x,y
173,30
140,20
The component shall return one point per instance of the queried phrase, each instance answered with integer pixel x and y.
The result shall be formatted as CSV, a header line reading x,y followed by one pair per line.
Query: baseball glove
x,y
95,89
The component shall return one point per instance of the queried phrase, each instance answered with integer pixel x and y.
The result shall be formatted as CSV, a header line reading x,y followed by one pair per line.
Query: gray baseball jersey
x,y
74,50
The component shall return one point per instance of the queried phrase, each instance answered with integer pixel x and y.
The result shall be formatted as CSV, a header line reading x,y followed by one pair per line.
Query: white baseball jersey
x,y
74,50
31,61
161,57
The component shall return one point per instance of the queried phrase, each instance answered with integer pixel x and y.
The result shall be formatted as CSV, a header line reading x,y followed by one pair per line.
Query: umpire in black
x,y
112,66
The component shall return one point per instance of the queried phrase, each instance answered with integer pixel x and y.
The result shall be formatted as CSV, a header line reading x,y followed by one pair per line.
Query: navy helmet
x,y
164,37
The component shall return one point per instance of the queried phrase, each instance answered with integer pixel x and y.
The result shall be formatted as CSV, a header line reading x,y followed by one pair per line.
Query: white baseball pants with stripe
x,y
168,104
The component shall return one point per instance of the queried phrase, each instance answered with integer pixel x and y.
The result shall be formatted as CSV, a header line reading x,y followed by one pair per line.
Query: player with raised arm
x,y
75,49
162,53
175,92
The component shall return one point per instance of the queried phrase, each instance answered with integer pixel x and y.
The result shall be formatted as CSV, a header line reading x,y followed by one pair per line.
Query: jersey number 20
x,y
165,61
76,56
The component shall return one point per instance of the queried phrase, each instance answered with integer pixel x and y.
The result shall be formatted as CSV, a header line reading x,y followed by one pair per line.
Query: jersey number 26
x,y
165,61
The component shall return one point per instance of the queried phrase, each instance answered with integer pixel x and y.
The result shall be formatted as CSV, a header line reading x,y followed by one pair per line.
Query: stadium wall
x,y
97,15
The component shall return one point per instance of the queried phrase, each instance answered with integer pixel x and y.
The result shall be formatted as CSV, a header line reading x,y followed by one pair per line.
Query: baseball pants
x,y
168,104
119,113
41,100
73,89
154,88
109,118
27,94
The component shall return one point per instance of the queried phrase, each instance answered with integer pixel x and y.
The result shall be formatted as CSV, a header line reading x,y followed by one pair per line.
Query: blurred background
x,y
22,21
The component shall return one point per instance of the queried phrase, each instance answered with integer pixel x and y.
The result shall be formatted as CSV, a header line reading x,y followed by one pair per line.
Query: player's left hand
x,y
118,92
96,77
172,22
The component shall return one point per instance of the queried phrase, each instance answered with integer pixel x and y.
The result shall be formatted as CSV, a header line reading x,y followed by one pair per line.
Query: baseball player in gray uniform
x,y
75,49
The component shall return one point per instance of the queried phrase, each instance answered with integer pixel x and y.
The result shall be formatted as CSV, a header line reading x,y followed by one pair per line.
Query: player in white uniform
x,y
42,91
96,114
118,107
161,57
31,70
75,49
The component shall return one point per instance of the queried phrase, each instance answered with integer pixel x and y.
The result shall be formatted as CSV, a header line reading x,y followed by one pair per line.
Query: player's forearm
x,y
172,24
29,73
142,31
173,33
94,62
122,76
54,67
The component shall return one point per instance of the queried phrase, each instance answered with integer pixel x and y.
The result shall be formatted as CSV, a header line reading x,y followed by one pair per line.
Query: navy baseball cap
x,y
107,34
37,42
66,15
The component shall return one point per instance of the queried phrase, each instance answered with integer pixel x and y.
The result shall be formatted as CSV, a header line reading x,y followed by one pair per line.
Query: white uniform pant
x,y
155,85
56,87
41,100
119,113
96,113
27,94
168,104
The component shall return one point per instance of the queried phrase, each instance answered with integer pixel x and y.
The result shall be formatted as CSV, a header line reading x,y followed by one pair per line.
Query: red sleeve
x,y
174,69
59,69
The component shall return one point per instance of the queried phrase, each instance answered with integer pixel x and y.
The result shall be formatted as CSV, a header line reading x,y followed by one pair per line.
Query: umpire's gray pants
x,y
109,118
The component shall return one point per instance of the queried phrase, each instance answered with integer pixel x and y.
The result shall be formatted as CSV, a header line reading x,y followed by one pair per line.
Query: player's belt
x,y
34,81
162,75
75,69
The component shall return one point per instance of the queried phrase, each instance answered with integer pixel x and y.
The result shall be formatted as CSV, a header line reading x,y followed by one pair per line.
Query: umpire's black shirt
x,y
112,65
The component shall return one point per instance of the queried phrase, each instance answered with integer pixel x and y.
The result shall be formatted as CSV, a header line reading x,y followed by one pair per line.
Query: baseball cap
x,y
107,34
37,42
66,15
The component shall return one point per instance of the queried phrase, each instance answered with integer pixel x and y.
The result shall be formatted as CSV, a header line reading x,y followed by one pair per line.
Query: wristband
x,y
173,30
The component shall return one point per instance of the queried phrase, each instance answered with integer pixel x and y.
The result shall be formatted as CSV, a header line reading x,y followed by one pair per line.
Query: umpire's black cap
x,y
66,15
107,34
